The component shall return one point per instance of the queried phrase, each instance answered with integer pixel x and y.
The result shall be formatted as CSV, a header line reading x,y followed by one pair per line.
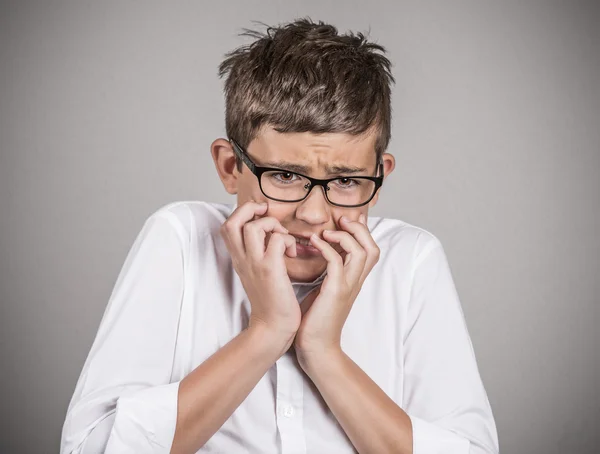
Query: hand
x,y
325,309
262,270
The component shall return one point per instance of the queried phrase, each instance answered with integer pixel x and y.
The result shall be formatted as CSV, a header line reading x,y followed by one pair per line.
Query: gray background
x,y
108,110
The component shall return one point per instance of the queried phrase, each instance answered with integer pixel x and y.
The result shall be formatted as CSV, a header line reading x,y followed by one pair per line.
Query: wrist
x,y
277,341
314,361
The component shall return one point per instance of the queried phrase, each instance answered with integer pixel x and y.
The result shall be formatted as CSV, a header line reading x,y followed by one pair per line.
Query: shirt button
x,y
288,412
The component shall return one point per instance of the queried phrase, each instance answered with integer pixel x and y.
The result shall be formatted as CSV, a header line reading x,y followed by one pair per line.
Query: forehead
x,y
326,153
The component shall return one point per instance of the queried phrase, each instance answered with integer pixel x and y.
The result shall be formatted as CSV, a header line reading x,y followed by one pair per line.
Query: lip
x,y
303,250
303,235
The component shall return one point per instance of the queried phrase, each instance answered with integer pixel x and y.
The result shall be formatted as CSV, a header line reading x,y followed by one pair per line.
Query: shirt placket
x,y
290,392
290,411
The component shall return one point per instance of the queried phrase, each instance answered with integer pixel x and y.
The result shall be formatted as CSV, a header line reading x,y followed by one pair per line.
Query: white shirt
x,y
177,300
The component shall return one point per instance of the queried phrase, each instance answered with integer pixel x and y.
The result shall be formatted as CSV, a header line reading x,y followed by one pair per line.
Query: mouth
x,y
302,240
307,249
304,249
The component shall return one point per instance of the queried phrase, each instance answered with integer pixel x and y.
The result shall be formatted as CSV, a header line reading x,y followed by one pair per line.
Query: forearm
x,y
210,394
374,423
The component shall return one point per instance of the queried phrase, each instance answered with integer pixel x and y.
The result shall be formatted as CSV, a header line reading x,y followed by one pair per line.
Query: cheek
x,y
352,214
280,211
249,188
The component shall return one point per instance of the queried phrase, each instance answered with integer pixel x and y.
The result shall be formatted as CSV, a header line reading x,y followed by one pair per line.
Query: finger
x,y
356,256
361,232
335,264
354,250
231,230
254,234
280,244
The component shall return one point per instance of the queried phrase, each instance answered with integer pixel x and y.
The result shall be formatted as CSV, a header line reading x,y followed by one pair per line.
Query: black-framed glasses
x,y
286,186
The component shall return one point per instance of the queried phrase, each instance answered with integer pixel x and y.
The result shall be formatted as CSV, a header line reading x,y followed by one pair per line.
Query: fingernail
x,y
345,219
361,218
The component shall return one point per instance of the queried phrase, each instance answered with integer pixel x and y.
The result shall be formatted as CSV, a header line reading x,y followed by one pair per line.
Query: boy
x,y
289,322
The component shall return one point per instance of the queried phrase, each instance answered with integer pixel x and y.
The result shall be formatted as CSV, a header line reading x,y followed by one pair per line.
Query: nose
x,y
315,208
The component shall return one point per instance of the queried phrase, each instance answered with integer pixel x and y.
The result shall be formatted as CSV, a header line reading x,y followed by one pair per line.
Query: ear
x,y
389,163
225,163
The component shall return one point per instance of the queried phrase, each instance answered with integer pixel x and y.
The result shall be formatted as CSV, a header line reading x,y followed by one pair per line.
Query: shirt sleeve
x,y
124,401
444,395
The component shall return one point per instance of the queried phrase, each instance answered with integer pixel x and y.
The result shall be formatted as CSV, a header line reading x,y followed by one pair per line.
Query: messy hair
x,y
305,77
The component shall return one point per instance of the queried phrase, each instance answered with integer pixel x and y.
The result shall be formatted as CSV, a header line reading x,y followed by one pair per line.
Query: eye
x,y
347,182
287,176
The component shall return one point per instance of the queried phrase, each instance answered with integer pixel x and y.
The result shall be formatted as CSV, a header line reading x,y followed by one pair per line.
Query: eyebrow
x,y
298,168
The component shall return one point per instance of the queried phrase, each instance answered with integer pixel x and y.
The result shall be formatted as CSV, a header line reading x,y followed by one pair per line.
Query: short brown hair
x,y
305,77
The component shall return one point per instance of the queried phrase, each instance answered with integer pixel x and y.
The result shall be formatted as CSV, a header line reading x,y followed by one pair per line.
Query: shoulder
x,y
193,218
399,240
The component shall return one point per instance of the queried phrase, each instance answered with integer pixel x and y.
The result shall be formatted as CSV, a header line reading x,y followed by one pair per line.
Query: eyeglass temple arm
x,y
243,156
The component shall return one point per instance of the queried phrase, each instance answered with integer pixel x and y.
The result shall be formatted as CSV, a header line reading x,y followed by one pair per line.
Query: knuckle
x,y
225,229
229,226
277,240
262,222
268,220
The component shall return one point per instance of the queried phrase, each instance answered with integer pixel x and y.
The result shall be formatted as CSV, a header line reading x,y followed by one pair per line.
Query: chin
x,y
305,270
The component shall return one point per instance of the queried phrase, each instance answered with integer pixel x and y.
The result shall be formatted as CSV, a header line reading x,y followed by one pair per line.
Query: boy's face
x,y
313,214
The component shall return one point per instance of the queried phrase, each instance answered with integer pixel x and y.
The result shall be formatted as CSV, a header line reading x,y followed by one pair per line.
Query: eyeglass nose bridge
x,y
314,182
